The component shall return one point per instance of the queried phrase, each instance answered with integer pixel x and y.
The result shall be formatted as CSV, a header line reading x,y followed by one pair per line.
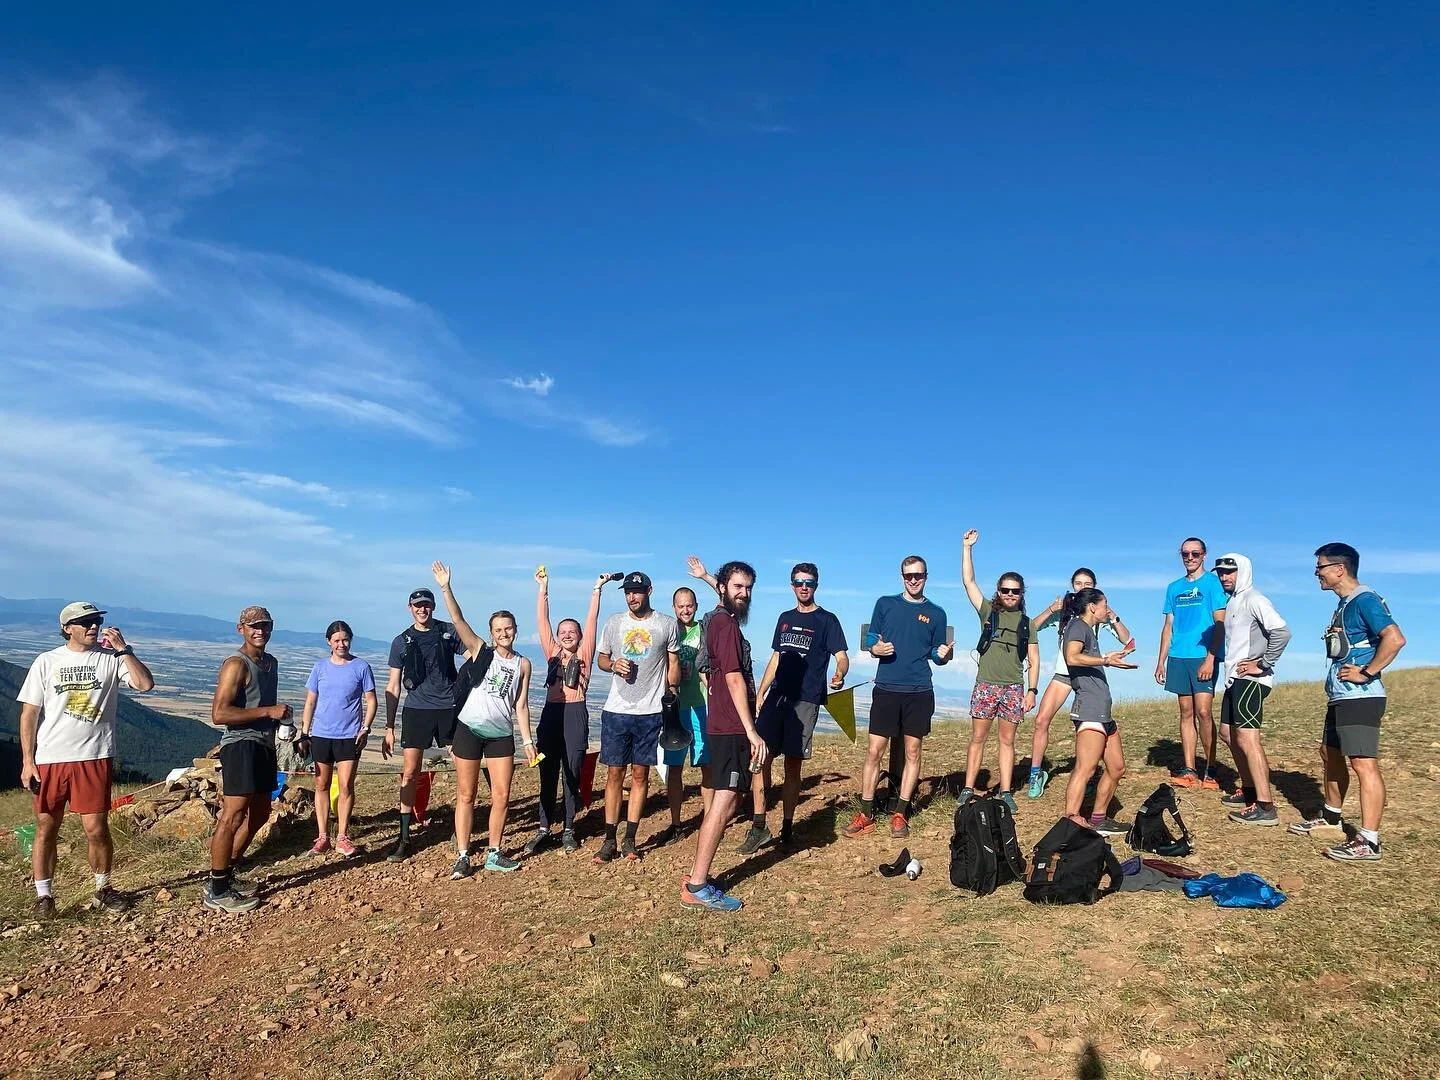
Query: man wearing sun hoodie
x,y
1255,636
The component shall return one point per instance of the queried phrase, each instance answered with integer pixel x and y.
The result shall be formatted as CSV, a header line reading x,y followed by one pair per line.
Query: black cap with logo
x,y
423,594
636,581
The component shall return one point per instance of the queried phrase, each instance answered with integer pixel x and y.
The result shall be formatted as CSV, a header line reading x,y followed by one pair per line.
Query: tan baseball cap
x,y
254,613
80,609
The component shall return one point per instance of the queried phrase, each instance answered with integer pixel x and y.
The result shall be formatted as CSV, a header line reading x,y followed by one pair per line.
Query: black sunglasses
x,y
88,621
804,583
1009,592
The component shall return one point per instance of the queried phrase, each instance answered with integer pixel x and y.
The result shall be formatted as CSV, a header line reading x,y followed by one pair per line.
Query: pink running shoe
x,y
321,845
344,846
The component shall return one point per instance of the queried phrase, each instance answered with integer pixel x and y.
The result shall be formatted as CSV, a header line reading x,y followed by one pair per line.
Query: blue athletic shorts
x,y
629,740
1182,676
694,715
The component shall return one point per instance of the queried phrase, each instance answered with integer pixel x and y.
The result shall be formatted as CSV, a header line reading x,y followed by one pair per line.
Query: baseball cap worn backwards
x,y
636,581
80,609
253,614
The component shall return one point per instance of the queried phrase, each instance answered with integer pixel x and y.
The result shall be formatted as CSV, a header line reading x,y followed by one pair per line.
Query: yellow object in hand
x,y
538,758
541,570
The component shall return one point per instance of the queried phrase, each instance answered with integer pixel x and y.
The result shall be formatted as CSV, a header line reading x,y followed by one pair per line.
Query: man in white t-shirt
x,y
67,743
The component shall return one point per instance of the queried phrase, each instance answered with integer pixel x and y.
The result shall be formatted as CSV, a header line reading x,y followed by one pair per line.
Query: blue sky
x,y
294,303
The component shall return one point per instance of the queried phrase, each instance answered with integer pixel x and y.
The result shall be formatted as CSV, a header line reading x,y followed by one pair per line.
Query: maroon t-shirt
x,y
729,651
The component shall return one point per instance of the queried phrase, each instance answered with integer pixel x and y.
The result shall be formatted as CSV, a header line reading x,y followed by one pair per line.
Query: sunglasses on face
x,y
915,577
1326,566
93,620
1192,554
1010,592
265,626
804,583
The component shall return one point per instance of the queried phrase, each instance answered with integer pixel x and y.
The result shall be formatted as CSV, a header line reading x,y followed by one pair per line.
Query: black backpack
x,y
1149,833
984,853
472,674
702,651
1067,865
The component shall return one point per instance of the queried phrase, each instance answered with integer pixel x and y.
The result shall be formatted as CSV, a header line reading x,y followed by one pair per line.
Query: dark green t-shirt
x,y
1001,662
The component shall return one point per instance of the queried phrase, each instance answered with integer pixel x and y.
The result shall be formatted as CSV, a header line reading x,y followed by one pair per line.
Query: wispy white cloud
x,y
538,385
457,494
309,489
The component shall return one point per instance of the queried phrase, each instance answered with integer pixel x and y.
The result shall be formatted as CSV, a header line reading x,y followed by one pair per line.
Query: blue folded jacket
x,y
1242,890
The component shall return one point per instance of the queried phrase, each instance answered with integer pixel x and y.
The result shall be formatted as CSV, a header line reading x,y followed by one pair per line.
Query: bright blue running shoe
x,y
708,896
1038,780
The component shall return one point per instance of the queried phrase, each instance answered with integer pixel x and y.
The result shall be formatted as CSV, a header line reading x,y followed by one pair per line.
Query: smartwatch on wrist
x,y
128,650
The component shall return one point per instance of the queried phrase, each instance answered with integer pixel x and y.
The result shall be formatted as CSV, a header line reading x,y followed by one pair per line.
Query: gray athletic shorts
x,y
1353,727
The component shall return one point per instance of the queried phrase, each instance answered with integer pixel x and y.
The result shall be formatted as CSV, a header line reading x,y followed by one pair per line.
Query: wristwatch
x,y
1370,676
1032,689
128,650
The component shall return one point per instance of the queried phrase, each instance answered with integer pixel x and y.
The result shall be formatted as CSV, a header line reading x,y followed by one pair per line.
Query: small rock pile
x,y
185,807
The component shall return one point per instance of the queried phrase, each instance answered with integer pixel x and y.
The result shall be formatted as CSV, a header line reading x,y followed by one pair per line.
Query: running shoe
x,y
538,842
1209,783
1186,778
1108,826
1037,784
111,900
756,838
44,907
243,886
787,835
230,902
320,846
345,847
462,868
627,849
1009,801
400,853
861,824
899,826
1236,799
667,835
498,860
1313,825
568,842
966,794
608,852
1256,815
708,896
1357,850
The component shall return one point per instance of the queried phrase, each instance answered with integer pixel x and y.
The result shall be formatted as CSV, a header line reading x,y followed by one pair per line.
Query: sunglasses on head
x,y
915,577
1003,591
804,583
89,621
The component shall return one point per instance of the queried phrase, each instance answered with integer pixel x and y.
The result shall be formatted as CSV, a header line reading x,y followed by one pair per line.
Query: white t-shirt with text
x,y
77,694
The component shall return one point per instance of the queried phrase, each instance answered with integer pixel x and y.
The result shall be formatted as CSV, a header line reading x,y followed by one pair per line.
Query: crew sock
x,y
1331,814
1034,771
1370,836
610,831
630,827
867,807
405,820
903,807
1249,795
1096,818
219,882
101,882
43,888
758,822
1266,806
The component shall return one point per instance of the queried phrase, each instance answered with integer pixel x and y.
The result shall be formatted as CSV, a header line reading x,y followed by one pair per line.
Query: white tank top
x,y
489,711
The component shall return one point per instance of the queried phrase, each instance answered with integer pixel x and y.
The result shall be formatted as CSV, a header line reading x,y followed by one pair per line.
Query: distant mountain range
x,y
148,742
34,614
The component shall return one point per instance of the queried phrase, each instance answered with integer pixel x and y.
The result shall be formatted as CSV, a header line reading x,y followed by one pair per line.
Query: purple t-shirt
x,y
340,691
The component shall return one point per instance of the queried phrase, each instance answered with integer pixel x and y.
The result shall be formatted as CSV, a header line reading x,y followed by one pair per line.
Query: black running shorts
x,y
471,747
248,767
422,728
325,751
893,713
729,762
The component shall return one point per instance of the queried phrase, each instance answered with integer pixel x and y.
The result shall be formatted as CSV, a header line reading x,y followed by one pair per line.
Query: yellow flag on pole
x,y
841,706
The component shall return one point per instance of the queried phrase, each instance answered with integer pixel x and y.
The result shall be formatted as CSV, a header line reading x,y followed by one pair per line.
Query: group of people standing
x,y
690,680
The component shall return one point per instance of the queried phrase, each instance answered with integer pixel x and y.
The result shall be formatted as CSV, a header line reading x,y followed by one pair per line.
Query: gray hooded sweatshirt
x,y
1254,630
